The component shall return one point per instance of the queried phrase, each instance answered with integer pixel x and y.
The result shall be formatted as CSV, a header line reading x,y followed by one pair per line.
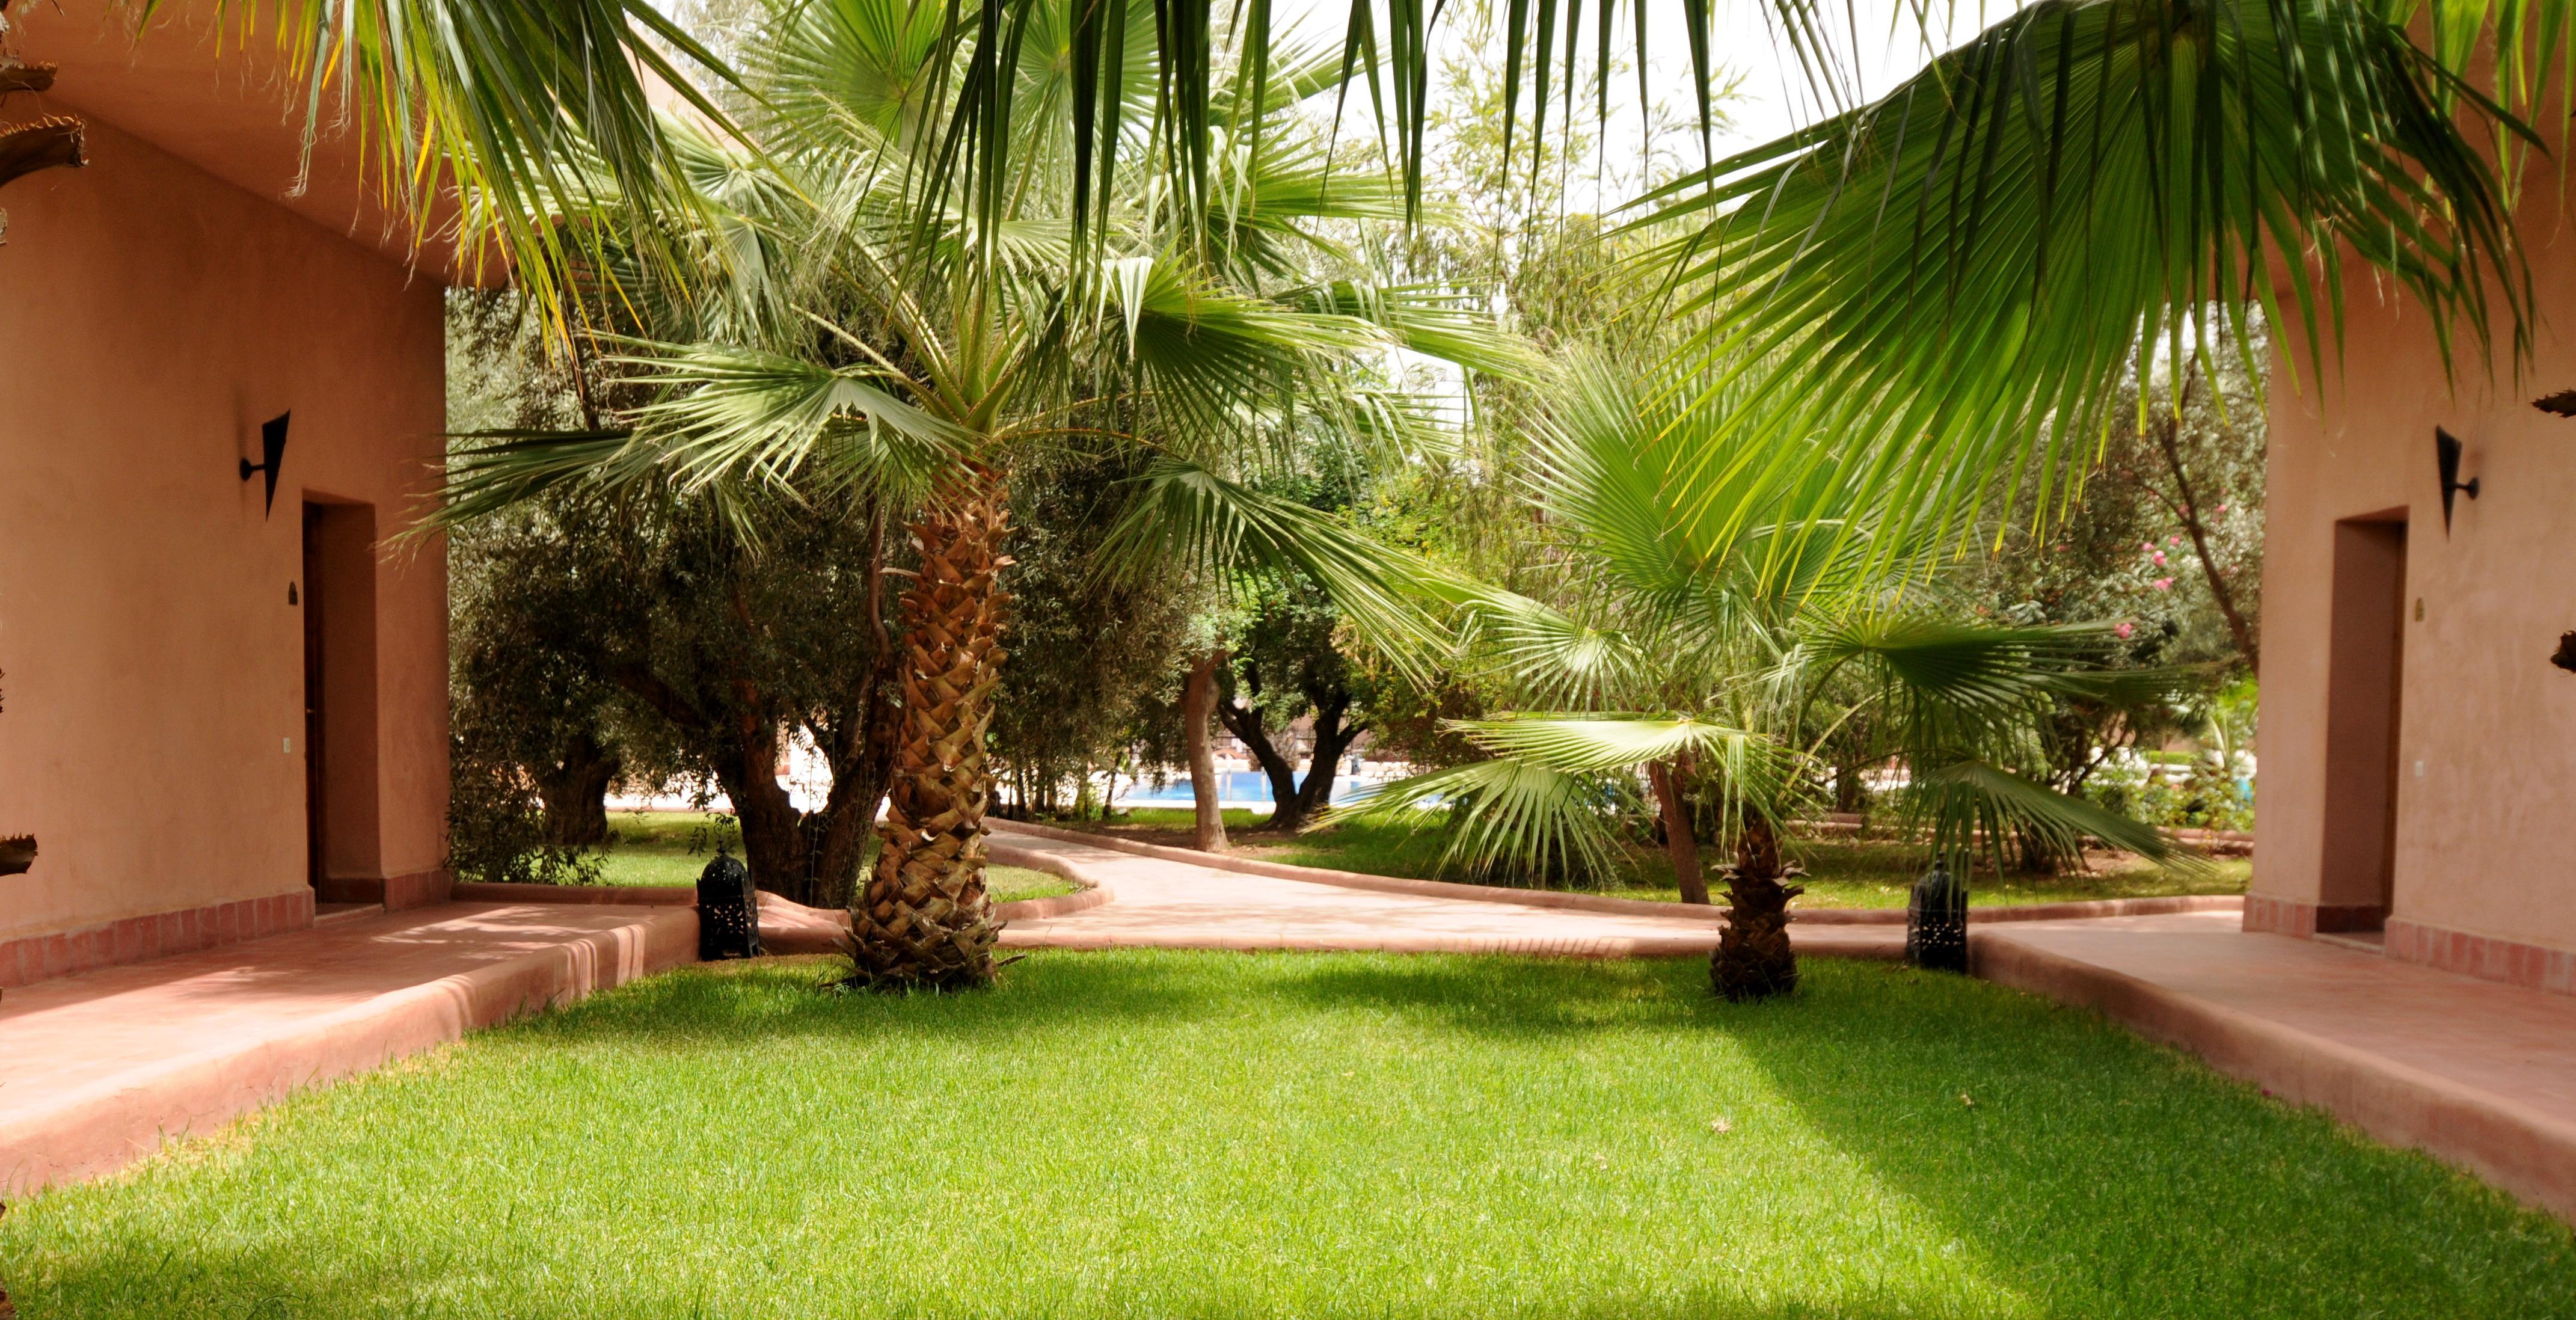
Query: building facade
x,y
215,710
2418,739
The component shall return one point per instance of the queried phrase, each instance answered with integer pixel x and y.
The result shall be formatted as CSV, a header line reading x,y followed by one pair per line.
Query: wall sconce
x,y
2446,453
272,451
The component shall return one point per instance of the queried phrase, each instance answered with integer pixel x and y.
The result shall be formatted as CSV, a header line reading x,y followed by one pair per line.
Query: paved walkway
x,y
101,1066
1172,904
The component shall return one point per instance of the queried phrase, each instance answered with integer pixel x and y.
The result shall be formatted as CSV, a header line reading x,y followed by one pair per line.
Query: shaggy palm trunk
x,y
924,921
1753,960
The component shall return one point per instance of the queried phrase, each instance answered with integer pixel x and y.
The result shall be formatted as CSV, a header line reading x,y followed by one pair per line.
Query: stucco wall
x,y
150,317
2485,838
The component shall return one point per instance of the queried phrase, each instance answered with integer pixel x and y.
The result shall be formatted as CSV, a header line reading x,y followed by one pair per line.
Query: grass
x,y
672,847
1157,1133
1841,872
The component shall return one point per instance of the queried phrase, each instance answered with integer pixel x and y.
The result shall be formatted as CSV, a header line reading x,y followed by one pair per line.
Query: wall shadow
x,y
2099,1174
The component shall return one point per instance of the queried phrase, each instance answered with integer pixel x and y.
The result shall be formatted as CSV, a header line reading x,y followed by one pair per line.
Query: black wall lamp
x,y
2446,453
272,451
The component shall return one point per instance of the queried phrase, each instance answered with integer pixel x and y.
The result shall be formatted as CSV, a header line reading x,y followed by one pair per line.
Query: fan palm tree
x,y
1964,268
1704,610
868,322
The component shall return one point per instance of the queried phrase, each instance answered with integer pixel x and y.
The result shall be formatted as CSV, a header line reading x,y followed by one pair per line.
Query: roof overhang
x,y
212,89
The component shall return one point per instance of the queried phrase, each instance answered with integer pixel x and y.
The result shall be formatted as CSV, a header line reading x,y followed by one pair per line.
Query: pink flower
x,y
2173,543
2164,584
2149,547
2160,558
2124,630
2222,508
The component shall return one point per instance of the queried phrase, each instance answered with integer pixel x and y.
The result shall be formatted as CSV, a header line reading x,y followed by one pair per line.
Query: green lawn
x,y
1221,1135
1842,872
672,847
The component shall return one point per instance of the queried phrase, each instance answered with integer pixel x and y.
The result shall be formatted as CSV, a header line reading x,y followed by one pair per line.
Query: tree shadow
x,y
167,1279
1527,998
768,999
2103,1175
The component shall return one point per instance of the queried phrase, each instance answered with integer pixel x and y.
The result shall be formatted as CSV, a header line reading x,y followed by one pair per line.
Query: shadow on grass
x,y
2097,1174
198,1281
1519,998
2102,1175
734,1003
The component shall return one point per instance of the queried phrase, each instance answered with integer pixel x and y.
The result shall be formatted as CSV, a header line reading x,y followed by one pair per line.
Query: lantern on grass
x,y
1936,921
728,911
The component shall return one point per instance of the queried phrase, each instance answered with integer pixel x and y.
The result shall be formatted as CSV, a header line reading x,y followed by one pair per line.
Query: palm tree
x,y
867,317
1705,622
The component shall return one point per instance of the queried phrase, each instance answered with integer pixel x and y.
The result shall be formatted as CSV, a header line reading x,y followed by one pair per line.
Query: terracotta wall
x,y
151,316
2485,817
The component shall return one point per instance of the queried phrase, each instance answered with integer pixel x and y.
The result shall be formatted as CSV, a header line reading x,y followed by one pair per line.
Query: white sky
x,y
1776,96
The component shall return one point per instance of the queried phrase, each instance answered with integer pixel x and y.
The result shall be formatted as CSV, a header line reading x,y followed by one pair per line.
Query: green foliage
x,y
1963,272
496,825
1091,653
1706,621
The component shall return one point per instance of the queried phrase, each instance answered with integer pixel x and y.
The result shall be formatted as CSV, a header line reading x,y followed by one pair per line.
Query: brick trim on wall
x,y
419,889
2281,916
2531,966
41,957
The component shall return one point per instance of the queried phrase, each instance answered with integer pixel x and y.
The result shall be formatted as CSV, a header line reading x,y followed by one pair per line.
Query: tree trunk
x,y
773,835
1753,959
2238,628
925,921
1331,740
1198,703
1679,842
1245,725
574,790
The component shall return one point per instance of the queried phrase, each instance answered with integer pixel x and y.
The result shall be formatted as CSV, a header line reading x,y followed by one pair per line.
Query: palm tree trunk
x,y
1198,707
1753,959
924,921
1679,843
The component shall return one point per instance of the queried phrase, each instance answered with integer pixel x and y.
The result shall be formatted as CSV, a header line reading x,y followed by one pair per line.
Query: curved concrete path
x,y
1181,905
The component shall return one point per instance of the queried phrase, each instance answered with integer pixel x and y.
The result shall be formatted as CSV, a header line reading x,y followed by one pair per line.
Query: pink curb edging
x,y
1641,907
1096,889
2528,1153
123,1118
797,925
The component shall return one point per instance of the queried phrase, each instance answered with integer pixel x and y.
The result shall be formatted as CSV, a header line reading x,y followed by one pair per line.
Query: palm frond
x,y
1963,798
1964,270
1182,516
1508,822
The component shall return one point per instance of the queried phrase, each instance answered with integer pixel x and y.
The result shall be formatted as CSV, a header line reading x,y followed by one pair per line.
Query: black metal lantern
x,y
272,454
2446,460
1936,921
728,911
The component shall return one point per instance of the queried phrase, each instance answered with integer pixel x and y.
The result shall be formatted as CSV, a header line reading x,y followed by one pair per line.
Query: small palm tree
x,y
1705,615
859,319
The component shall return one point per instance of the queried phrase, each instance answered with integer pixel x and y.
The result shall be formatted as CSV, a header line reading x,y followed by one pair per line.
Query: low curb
x,y
787,927
1634,907
124,1117
2515,1147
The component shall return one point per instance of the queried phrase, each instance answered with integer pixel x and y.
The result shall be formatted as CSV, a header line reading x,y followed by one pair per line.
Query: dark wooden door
x,y
315,726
